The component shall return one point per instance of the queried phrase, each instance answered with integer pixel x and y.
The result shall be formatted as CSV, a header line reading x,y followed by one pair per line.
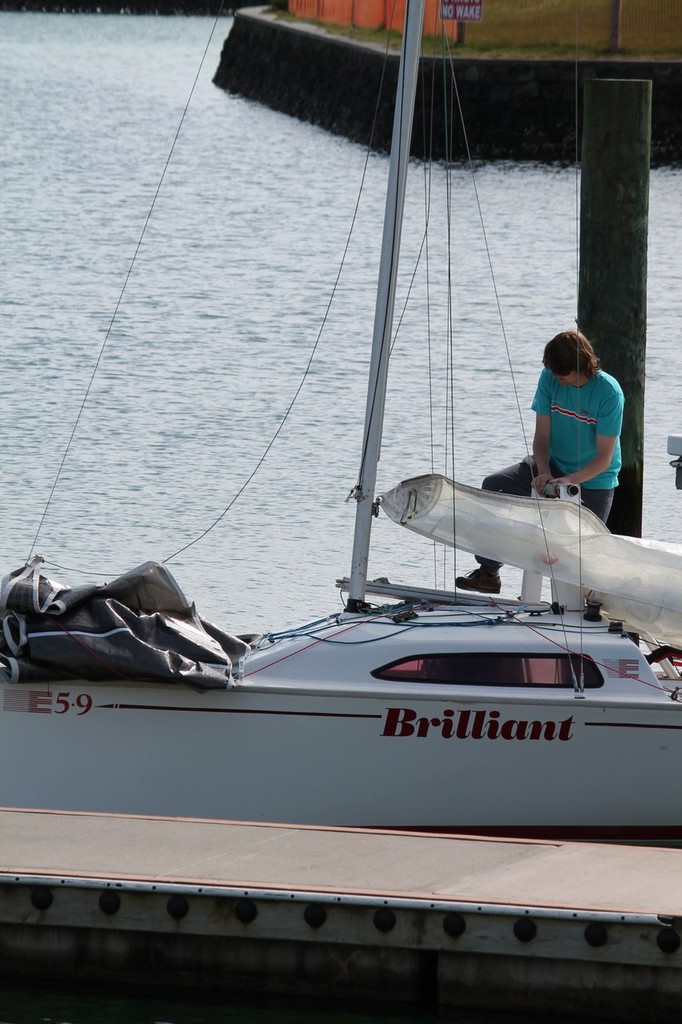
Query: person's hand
x,y
558,480
540,482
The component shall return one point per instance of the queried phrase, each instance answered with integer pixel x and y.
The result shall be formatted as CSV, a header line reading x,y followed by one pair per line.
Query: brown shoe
x,y
479,580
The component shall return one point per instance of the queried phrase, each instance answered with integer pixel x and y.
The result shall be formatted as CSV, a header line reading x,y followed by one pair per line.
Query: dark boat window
x,y
494,670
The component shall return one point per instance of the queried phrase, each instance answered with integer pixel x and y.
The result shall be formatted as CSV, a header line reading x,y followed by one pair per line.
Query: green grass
x,y
556,29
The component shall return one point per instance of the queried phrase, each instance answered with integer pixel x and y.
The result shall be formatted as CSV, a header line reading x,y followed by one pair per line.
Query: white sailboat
x,y
432,712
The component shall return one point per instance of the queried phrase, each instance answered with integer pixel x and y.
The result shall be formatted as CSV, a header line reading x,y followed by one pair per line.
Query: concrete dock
x,y
439,921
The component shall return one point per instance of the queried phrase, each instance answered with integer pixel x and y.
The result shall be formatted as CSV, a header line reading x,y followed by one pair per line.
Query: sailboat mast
x,y
383,317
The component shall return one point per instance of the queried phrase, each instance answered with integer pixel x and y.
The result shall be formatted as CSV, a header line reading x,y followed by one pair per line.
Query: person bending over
x,y
578,419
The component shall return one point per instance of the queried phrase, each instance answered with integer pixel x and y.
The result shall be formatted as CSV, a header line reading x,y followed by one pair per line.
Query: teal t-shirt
x,y
577,415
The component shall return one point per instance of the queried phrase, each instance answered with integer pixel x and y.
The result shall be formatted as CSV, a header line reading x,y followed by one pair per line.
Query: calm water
x,y
51,1007
221,313
32,1007
217,326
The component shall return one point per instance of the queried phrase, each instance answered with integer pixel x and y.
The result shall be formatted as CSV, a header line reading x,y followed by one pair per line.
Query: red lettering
x,y
398,722
476,725
448,728
463,725
493,726
424,724
537,729
513,730
477,728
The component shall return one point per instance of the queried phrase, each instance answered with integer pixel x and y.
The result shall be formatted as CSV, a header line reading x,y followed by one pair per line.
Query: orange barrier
x,y
394,16
369,13
305,9
336,12
389,14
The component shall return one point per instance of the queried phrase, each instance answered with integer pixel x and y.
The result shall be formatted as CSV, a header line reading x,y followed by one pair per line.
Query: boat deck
x,y
446,920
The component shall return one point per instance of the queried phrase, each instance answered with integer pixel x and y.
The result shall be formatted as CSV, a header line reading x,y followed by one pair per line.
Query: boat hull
x,y
561,766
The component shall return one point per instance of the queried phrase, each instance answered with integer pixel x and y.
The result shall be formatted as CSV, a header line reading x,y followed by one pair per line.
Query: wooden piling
x,y
616,16
616,146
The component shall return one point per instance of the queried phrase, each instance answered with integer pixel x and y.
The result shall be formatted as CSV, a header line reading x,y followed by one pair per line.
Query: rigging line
x,y
424,251
428,168
316,640
576,105
490,264
318,338
484,233
576,114
428,160
119,301
577,227
450,332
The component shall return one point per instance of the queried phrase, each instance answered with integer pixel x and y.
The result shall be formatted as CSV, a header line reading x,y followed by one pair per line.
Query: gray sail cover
x,y
140,626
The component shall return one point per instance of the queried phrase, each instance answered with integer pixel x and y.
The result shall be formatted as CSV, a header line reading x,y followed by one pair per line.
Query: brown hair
x,y
570,351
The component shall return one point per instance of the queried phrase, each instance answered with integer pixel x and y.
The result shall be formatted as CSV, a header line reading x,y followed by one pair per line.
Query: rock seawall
x,y
513,109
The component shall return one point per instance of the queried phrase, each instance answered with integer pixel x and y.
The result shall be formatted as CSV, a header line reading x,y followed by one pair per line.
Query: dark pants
x,y
517,479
